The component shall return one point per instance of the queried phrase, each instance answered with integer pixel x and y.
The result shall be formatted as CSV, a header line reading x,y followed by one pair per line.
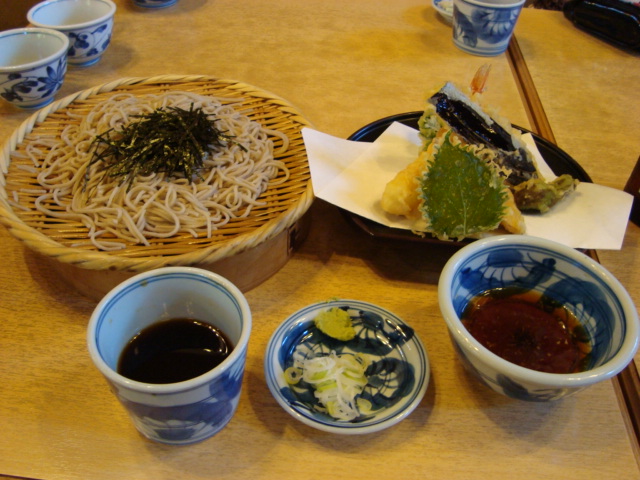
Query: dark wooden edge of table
x,y
633,188
627,382
12,477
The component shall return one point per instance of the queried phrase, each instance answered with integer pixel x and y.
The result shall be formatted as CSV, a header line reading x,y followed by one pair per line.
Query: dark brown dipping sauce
x,y
528,329
173,351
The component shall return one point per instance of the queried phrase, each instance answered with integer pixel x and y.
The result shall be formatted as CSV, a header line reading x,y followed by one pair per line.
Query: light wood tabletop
x,y
587,89
343,64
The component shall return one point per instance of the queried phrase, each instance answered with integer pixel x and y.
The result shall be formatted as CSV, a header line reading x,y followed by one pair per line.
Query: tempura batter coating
x,y
402,194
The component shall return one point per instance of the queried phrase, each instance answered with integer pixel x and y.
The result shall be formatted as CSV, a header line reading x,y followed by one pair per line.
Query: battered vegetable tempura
x,y
402,195
463,182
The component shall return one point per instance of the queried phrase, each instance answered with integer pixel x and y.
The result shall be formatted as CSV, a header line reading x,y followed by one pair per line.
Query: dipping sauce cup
x,y
564,276
186,411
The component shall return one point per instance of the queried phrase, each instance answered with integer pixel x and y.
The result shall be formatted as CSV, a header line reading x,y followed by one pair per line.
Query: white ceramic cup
x,y
183,412
484,27
33,64
87,23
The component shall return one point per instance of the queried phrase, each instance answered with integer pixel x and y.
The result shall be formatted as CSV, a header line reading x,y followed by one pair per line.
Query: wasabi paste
x,y
336,323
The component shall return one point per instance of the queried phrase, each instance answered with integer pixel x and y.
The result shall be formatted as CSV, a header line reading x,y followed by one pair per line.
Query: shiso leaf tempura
x,y
462,194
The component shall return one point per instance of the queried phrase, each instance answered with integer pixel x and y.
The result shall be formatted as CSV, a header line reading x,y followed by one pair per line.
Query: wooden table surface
x,y
343,64
589,92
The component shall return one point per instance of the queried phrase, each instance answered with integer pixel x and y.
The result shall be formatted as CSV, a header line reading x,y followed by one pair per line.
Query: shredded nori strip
x,y
169,140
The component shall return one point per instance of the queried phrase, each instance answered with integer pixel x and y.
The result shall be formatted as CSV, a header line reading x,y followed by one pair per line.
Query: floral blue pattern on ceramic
x,y
33,64
190,423
397,374
87,23
154,3
33,88
87,46
484,28
182,412
560,273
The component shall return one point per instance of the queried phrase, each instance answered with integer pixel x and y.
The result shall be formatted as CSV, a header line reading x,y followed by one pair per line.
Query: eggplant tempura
x,y
474,174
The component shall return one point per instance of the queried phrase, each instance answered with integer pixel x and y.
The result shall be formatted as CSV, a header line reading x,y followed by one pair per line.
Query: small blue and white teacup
x,y
187,411
484,27
154,3
562,275
87,23
33,63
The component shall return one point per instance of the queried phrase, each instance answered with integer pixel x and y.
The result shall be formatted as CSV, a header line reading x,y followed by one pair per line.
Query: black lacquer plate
x,y
558,160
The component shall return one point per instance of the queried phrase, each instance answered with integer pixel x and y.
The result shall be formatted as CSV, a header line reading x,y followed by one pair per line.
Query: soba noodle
x,y
155,206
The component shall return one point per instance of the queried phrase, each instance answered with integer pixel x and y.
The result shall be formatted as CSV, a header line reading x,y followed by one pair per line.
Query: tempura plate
x,y
558,160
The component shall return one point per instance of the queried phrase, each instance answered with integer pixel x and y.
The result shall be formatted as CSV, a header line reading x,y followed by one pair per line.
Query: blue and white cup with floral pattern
x,y
484,27
152,4
187,411
87,23
33,64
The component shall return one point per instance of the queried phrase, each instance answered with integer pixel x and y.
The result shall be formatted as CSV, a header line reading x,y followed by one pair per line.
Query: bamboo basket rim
x,y
100,260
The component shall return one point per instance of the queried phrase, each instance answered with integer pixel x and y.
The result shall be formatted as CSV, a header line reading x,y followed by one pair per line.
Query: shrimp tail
x,y
479,82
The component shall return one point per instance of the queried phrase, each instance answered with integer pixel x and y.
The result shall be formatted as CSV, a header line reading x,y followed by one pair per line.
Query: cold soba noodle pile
x,y
158,204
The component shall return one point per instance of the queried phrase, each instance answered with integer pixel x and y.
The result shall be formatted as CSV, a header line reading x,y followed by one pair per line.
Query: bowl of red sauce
x,y
534,319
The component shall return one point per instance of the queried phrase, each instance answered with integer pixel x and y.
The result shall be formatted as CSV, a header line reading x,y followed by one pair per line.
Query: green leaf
x,y
462,194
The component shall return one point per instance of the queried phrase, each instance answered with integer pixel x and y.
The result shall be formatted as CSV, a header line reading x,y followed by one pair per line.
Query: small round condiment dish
x,y
444,8
87,23
397,372
599,302
33,63
187,411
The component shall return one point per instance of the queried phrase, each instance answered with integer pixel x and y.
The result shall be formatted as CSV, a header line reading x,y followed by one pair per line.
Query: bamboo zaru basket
x,y
246,250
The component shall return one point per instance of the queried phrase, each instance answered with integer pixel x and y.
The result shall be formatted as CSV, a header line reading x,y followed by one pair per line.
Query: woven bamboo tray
x,y
246,250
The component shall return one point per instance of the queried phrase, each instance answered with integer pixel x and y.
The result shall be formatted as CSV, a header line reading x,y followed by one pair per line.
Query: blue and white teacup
x,y
484,27
183,412
33,64
154,3
87,23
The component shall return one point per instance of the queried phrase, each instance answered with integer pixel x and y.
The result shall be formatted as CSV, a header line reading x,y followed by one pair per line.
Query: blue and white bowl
x,y
183,412
600,303
87,23
484,28
154,3
33,64
398,373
